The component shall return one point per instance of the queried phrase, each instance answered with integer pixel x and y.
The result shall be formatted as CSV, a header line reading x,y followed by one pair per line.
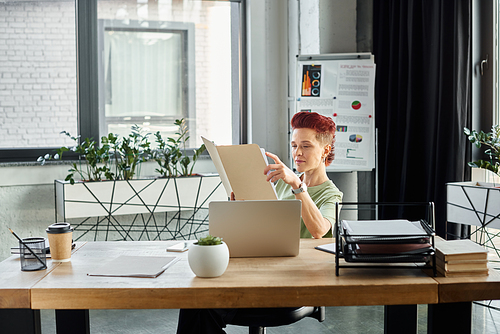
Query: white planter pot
x,y
208,261
142,209
94,199
473,203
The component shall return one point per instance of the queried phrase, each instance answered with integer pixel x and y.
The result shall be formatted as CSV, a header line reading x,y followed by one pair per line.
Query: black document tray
x,y
424,237
350,255
347,246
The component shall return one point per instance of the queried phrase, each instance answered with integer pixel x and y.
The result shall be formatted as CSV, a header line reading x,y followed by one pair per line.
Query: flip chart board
x,y
341,86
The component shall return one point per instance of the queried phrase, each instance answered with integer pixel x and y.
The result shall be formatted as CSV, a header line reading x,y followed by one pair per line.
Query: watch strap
x,y
300,189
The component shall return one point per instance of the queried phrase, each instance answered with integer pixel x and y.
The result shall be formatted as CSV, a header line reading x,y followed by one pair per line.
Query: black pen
x,y
32,252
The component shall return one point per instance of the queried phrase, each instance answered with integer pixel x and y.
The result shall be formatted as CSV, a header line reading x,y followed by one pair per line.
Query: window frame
x,y
496,55
483,65
186,29
87,66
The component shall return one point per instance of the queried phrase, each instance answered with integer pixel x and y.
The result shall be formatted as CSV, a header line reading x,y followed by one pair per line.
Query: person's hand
x,y
279,170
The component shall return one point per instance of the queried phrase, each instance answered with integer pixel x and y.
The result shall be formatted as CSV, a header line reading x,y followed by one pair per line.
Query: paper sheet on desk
x,y
383,227
135,266
329,248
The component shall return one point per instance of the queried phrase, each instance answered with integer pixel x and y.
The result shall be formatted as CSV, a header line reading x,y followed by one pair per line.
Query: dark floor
x,y
345,320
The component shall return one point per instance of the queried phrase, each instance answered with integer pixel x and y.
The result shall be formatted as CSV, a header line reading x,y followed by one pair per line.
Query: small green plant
x,y
209,241
172,154
97,160
492,141
131,151
166,155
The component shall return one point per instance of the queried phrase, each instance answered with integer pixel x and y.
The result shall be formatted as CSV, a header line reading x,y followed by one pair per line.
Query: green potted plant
x,y
172,155
208,257
476,203
492,141
114,163
95,162
130,151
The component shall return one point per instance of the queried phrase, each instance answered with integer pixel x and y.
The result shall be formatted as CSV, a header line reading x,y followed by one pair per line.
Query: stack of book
x,y
458,258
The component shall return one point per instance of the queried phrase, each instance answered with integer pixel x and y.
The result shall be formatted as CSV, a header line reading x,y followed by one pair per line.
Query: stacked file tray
x,y
385,242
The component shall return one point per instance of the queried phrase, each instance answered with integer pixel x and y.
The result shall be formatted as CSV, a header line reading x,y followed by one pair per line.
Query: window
x,y
135,62
146,76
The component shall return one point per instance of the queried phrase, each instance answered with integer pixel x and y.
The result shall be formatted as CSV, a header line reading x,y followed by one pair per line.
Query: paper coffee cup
x,y
60,240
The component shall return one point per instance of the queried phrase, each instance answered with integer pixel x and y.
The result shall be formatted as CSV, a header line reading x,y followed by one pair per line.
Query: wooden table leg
x,y
14,321
73,321
453,318
400,319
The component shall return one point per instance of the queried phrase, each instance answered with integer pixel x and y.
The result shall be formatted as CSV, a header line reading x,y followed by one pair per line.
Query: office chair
x,y
258,319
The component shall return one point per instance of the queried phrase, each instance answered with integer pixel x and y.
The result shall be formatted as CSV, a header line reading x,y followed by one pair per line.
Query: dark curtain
x,y
422,50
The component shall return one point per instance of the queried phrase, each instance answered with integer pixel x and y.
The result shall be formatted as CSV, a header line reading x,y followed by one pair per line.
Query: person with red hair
x,y
313,140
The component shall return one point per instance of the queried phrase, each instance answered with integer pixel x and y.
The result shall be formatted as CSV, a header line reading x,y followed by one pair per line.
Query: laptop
x,y
257,228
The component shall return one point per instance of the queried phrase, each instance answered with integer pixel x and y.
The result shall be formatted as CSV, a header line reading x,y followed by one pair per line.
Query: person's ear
x,y
327,150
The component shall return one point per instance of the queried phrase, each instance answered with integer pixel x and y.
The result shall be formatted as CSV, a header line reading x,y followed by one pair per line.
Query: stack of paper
x,y
460,258
389,241
393,228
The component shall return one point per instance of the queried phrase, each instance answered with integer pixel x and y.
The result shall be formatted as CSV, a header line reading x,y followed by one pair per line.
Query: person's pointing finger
x,y
274,157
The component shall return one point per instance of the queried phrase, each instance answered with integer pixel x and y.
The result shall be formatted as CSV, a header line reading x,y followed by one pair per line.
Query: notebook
x,y
135,266
257,228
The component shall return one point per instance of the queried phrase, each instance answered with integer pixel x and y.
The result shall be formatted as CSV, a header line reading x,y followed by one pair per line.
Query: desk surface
x,y
463,289
15,284
308,279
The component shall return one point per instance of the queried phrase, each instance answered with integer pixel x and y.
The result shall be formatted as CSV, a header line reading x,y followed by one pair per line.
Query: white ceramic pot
x,y
208,261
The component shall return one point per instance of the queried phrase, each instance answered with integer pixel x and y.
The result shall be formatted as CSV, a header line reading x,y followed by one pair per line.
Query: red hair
x,y
324,127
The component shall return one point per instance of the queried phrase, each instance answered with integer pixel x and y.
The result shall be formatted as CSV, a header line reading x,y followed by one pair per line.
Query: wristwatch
x,y
300,189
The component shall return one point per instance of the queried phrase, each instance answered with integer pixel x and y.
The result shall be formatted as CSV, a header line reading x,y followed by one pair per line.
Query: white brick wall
x,y
38,66
37,73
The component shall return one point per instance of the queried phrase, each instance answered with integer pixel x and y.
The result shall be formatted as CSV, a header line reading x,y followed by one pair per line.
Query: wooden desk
x,y
465,289
308,279
15,295
455,301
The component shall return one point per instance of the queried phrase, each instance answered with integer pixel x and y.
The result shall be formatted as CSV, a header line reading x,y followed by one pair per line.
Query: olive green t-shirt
x,y
324,196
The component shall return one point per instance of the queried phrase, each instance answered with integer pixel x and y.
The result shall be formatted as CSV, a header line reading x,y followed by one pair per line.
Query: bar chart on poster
x,y
341,86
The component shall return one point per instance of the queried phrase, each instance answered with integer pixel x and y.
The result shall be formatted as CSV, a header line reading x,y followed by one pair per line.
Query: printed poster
x,y
344,91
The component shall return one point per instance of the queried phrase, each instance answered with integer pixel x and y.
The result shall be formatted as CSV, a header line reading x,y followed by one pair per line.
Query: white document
x,y
135,266
383,227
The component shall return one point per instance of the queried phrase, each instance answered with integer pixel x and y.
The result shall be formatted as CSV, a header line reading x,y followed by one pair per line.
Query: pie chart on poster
x,y
356,105
355,138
